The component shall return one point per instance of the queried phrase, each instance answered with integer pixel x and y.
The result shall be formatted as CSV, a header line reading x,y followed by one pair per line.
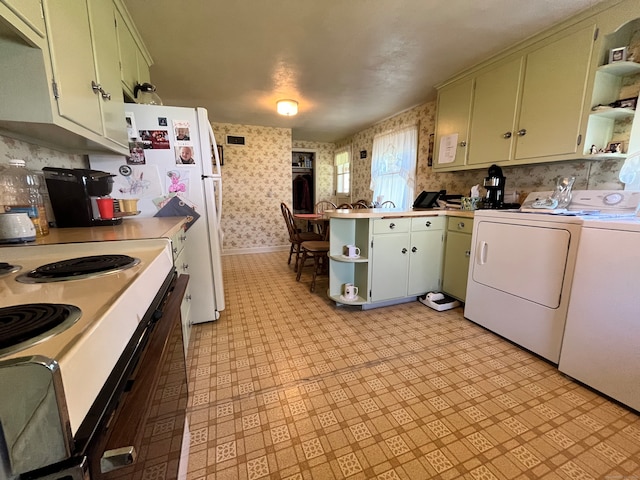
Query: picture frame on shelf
x,y
630,102
615,147
618,54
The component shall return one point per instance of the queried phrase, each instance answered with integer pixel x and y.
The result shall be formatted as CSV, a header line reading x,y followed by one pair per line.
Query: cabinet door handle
x,y
461,225
506,135
392,226
463,144
185,266
414,249
428,224
467,253
522,132
97,88
404,250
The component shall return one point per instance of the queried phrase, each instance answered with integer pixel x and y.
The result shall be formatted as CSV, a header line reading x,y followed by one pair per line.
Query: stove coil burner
x,y
22,326
7,268
79,268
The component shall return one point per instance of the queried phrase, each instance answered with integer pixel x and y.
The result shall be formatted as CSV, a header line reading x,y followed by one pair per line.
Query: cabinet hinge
x,y
579,139
595,34
372,243
54,87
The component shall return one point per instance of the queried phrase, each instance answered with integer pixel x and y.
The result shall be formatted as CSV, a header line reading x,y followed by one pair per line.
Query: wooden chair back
x,y
323,205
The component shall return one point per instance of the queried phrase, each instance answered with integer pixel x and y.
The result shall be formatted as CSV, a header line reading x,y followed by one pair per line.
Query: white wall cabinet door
x,y
107,58
72,61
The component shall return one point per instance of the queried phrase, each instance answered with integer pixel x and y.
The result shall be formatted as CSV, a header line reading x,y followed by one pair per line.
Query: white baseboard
x,y
243,251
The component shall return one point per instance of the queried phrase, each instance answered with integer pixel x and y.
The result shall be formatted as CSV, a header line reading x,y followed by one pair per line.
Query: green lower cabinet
x,y
456,264
425,266
390,266
406,263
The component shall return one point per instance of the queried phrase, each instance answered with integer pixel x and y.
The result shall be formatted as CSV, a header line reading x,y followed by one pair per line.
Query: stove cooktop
x,y
111,307
79,268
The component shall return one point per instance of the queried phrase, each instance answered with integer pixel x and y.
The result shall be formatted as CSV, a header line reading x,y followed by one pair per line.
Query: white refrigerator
x,y
174,153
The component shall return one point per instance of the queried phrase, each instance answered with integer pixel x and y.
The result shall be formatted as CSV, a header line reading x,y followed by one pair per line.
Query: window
x,y
393,166
343,165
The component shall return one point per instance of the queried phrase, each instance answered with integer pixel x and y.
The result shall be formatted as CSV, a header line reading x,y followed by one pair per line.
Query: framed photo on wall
x,y
220,155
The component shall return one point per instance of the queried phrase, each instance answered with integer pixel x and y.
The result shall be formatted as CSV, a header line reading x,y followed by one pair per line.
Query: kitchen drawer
x,y
460,224
391,225
421,224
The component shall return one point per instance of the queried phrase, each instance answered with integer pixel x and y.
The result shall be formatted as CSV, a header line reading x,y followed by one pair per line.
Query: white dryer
x,y
522,266
520,274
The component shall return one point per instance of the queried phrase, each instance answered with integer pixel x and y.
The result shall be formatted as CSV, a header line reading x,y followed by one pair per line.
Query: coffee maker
x,y
73,193
494,184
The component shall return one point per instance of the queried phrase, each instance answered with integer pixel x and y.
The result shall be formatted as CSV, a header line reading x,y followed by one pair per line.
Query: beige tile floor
x,y
288,386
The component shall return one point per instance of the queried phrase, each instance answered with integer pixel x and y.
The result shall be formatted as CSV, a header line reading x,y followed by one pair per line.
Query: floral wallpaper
x,y
36,157
256,178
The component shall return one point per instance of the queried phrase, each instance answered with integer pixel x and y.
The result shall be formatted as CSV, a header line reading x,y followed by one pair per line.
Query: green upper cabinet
x,y
525,107
107,59
135,60
452,127
496,99
29,12
72,62
85,60
553,96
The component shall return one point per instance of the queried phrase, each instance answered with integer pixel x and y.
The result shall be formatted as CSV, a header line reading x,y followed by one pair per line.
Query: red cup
x,y
105,208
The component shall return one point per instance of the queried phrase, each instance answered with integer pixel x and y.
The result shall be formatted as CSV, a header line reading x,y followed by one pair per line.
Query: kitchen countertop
x,y
396,213
129,229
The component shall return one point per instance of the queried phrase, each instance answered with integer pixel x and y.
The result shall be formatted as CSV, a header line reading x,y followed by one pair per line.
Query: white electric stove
x,y
71,362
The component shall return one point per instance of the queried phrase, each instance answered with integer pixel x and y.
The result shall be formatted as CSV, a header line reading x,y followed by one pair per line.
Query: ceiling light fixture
x,y
287,107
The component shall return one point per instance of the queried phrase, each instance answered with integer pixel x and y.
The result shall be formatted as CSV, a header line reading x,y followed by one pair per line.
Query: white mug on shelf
x,y
350,291
351,251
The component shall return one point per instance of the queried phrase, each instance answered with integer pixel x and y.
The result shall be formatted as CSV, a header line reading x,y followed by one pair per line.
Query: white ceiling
x,y
349,63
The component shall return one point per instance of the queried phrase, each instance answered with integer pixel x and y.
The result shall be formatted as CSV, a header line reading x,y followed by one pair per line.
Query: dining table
x,y
319,220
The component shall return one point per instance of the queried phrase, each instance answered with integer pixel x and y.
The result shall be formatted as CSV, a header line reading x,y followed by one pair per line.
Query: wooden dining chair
x,y
323,205
360,204
296,237
344,205
387,204
318,250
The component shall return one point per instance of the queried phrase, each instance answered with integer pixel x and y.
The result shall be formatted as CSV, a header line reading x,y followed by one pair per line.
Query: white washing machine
x,y
601,345
522,267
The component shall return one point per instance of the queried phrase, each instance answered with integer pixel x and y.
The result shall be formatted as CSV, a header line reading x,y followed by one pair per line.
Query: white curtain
x,y
393,166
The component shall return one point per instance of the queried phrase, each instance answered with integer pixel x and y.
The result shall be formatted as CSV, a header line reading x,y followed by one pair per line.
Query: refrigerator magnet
x,y
184,155
182,132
